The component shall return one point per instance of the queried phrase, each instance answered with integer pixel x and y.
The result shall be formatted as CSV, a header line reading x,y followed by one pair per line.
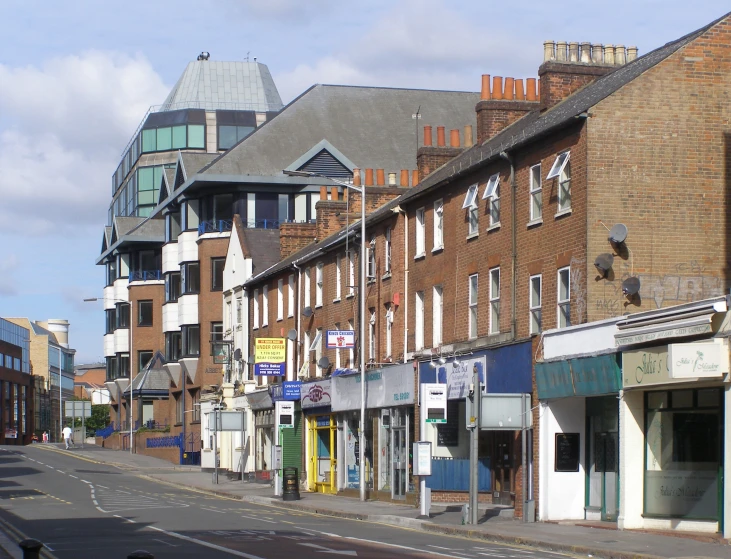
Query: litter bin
x,y
291,491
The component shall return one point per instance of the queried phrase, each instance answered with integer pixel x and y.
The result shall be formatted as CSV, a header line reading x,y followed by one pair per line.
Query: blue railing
x,y
151,424
164,442
453,474
215,226
145,275
106,432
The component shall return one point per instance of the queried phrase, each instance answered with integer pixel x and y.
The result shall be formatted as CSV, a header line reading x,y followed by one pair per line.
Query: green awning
x,y
585,376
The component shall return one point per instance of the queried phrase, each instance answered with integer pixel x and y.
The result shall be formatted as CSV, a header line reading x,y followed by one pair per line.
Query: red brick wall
x,y
430,158
558,80
495,115
295,236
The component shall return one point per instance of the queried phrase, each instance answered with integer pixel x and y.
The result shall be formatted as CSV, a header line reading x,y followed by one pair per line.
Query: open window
x,y
557,168
470,199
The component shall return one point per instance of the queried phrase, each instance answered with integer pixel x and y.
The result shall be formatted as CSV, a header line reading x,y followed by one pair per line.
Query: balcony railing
x,y
145,275
215,226
223,225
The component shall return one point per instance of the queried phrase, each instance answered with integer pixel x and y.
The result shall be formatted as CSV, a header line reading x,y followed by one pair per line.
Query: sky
x,y
76,78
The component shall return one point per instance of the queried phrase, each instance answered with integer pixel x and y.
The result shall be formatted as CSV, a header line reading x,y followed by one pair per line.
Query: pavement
x,y
601,540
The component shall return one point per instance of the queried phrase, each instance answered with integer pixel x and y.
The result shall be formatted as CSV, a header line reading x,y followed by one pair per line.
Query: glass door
x,y
400,461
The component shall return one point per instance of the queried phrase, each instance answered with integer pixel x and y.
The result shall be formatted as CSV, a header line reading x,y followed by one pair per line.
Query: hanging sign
x,y
270,356
340,339
434,402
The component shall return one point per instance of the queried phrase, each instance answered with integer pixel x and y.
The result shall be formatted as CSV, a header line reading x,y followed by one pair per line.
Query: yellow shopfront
x,y
322,444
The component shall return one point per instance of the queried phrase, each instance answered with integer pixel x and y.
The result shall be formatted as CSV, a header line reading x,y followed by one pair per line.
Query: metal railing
x,y
145,275
106,432
172,441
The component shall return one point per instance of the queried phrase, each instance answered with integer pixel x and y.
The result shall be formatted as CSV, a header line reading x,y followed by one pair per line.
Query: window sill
x,y
280,319
535,222
264,324
419,256
437,249
195,422
350,296
562,213
290,316
337,300
318,306
494,227
371,281
473,235
144,325
386,276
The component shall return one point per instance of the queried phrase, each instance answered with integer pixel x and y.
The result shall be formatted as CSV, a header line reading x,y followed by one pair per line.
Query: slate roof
x,y
214,84
263,246
371,126
528,129
194,162
153,376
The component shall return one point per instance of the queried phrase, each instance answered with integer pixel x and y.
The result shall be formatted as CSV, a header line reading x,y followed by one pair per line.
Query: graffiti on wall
x,y
684,283
578,288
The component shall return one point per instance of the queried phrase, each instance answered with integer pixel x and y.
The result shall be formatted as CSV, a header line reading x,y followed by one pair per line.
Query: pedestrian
x,y
67,436
45,436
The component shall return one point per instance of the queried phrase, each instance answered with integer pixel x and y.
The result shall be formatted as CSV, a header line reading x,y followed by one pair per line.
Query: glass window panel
x,y
144,211
147,197
164,138
682,398
179,137
196,136
149,140
156,177
145,178
226,136
657,400
708,398
243,131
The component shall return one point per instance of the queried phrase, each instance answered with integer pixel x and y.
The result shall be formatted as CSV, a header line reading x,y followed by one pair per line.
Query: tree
x,y
99,418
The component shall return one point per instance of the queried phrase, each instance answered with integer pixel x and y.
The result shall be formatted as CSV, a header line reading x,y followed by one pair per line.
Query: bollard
x,y
140,554
465,513
31,548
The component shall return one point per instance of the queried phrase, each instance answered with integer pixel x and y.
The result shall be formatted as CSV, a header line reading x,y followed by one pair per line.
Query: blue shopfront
x,y
503,370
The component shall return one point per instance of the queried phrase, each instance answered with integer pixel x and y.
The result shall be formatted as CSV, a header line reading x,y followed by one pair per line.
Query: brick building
x,y
17,387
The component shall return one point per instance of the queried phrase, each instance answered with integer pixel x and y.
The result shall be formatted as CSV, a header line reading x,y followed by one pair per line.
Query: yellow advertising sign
x,y
270,350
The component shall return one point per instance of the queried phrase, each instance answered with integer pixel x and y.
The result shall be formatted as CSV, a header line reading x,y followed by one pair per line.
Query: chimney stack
x,y
504,105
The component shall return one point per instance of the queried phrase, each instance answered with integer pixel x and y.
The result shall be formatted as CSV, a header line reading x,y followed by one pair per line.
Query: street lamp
x,y
362,295
131,394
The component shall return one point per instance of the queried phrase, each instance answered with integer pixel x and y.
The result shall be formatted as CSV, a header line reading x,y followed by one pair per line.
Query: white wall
x,y
562,495
593,337
170,317
170,258
121,340
108,345
188,310
631,457
120,292
187,246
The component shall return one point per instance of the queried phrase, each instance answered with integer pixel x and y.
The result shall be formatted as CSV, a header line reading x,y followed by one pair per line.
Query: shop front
x,y
675,443
289,435
388,432
262,407
503,370
320,436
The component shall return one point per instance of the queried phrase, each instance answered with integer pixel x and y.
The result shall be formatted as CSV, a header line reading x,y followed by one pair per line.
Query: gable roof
x,y
372,127
262,246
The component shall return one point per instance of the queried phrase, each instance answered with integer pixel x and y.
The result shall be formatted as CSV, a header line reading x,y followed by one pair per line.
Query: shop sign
x,y
422,452
340,339
434,402
11,433
323,421
270,356
457,375
316,394
697,360
644,337
645,367
390,386
681,493
285,414
291,390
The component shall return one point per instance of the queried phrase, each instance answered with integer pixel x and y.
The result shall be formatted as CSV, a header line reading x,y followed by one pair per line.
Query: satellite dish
x,y
604,263
618,233
237,354
324,362
307,312
292,334
631,286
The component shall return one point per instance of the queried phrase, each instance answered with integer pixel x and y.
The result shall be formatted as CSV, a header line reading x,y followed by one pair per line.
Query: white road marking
x,y
86,481
126,492
95,502
214,510
440,547
73,476
103,487
206,544
323,549
163,541
319,532
259,519
491,554
402,547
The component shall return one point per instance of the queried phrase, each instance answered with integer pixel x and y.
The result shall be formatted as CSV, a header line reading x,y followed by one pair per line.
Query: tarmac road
x,y
84,510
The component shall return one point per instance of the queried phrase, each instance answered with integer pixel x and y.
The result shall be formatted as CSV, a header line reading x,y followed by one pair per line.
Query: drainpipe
x,y
513,234
297,313
401,211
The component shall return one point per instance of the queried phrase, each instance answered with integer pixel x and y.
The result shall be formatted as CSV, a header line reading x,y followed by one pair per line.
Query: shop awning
x,y
586,376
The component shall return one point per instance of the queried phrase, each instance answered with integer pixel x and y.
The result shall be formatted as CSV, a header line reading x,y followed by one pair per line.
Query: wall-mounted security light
x,y
603,263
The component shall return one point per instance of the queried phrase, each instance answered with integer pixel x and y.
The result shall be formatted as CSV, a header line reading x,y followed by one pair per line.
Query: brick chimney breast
x,y
504,107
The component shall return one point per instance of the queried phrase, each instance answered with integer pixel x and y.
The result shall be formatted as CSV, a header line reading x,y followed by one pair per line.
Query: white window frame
x,y
351,273
561,168
388,248
558,165
470,198
437,315
371,269
492,195
389,329
420,233
438,225
419,321
473,209
495,300
337,350
239,311
372,336
534,306
317,344
338,277
308,281
308,345
255,300
319,280
351,351
265,306
280,299
536,194
290,296
472,292
563,306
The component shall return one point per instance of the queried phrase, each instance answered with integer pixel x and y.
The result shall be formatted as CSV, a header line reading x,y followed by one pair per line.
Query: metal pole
x,y
424,511
131,394
361,436
60,394
523,460
243,420
215,446
83,423
474,442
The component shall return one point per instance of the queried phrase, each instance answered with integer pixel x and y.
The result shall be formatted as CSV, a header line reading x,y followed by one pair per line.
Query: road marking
x,y
163,541
440,547
213,510
399,546
126,492
259,519
323,549
103,487
86,481
491,554
124,518
206,544
73,476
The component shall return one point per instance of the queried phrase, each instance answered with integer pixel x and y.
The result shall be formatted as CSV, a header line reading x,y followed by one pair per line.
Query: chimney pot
x,y
369,177
380,177
585,53
414,177
441,142
392,179
497,87
548,50
631,54
356,177
404,177
597,53
454,138
509,87
427,135
608,54
530,89
519,95
323,193
485,92
333,193
561,51
573,52
620,55
538,89
468,135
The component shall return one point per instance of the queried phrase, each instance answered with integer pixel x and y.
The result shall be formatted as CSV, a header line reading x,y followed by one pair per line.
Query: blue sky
x,y
76,78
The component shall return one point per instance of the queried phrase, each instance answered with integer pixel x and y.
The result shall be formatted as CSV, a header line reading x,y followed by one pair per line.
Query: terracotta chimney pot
x,y
427,135
441,141
485,92
380,177
497,87
369,177
454,138
414,177
333,193
468,136
356,177
530,89
323,193
508,91
519,95
404,177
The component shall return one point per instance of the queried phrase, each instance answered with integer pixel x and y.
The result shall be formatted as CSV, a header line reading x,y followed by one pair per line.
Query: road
x,y
83,510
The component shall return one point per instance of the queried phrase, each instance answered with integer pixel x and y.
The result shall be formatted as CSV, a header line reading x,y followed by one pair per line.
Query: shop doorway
x,y
323,461
400,454
500,445
603,458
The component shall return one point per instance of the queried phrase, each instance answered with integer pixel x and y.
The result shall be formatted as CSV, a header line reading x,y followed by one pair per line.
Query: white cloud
x,y
8,264
288,10
65,125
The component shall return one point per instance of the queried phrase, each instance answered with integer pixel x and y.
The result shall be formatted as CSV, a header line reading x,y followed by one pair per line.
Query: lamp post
x,y
362,300
131,379
60,394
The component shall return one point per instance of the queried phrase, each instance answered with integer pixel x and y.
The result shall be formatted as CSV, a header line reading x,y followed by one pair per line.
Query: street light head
x,y
91,299
298,173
